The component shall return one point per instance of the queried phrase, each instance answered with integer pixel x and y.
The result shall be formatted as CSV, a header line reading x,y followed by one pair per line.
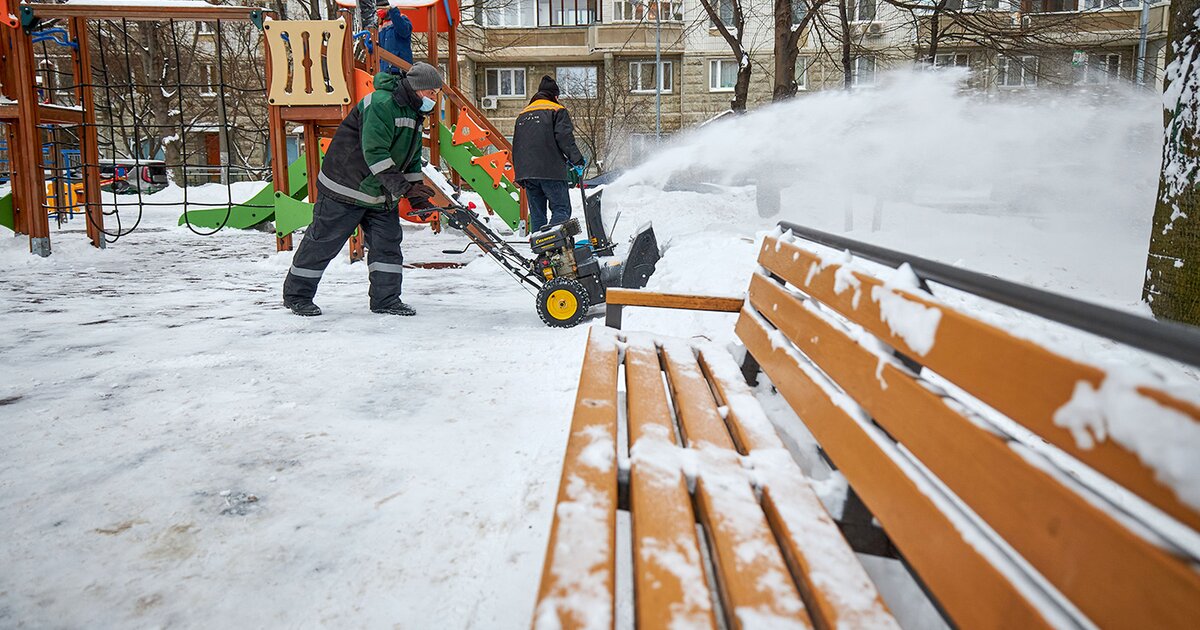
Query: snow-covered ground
x,y
180,450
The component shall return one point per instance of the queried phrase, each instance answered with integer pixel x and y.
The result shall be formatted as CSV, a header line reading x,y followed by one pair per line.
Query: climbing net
x,y
180,117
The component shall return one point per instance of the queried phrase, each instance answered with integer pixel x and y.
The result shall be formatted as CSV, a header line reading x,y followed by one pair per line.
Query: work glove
x,y
418,190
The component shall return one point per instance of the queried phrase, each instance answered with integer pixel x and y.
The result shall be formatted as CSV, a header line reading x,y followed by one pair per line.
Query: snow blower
x,y
568,275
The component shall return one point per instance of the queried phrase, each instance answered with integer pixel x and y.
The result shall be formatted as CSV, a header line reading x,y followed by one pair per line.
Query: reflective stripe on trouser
x,y
385,262
333,223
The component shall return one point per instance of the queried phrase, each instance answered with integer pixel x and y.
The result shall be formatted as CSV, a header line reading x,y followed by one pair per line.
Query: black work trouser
x,y
333,223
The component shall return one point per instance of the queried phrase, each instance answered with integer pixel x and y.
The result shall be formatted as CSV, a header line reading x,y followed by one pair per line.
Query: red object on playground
x,y
498,165
416,10
467,130
9,17
406,213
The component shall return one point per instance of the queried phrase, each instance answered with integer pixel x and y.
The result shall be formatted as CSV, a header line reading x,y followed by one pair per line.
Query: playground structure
x,y
107,124
311,77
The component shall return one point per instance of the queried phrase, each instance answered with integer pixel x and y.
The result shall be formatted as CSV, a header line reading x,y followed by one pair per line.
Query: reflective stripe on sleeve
x,y
382,165
414,177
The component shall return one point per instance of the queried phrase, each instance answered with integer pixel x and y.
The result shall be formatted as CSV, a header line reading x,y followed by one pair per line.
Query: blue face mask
x,y
427,104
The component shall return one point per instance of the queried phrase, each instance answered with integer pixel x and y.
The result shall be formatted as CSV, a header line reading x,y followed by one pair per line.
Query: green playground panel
x,y
246,215
504,200
6,212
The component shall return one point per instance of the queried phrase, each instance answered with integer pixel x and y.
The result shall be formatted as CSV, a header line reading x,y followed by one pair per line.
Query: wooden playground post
x,y
434,152
277,137
29,188
356,240
89,143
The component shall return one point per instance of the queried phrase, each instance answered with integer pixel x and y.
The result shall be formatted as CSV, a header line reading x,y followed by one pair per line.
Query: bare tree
x,y
788,30
733,35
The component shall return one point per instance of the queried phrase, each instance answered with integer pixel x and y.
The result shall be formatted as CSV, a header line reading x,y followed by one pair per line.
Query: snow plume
x,y
919,138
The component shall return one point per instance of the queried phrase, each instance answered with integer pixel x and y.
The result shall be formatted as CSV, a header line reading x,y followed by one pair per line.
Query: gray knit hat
x,y
423,76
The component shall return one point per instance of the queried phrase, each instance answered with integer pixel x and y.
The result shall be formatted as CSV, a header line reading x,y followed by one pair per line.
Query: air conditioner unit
x,y
875,29
489,102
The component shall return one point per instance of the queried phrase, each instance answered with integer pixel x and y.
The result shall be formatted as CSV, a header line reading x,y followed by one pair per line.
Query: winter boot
x,y
304,309
395,307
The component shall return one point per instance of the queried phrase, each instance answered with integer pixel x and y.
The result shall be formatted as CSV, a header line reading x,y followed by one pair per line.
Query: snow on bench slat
x,y
1058,531
577,587
975,580
1020,378
837,582
671,589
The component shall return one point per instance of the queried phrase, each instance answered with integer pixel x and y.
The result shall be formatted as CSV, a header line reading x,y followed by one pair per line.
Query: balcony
x,y
634,37
1065,28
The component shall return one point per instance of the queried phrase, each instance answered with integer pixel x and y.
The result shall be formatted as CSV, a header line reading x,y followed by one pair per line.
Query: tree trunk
x,y
741,88
786,52
847,68
1172,285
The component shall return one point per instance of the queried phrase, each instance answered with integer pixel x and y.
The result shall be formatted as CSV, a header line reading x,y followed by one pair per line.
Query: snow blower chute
x,y
569,275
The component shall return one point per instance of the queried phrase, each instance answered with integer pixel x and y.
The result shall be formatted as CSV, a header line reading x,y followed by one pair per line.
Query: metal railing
x,y
1179,342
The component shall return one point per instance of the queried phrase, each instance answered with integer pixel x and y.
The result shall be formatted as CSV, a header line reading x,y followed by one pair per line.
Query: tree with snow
x,y
1172,286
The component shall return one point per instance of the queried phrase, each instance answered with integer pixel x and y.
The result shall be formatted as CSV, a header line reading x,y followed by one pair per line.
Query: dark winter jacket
x,y
396,37
377,148
544,142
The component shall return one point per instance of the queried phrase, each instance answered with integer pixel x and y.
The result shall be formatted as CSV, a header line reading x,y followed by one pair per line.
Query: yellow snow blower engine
x,y
570,274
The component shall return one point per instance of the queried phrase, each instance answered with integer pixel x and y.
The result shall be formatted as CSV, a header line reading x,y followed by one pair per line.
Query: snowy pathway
x,y
179,450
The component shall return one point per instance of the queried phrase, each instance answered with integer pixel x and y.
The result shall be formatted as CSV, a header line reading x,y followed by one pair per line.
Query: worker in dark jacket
x,y
373,162
544,152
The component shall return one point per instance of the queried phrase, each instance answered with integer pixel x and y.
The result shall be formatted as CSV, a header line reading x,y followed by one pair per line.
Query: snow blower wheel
x,y
562,303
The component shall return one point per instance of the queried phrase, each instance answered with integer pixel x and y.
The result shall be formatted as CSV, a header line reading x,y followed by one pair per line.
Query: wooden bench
x,y
941,440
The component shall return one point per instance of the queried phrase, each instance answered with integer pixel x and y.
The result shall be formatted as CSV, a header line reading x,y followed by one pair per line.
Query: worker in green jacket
x,y
372,163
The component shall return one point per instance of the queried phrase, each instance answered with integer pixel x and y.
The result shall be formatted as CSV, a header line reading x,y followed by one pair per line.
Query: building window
x,y
577,81
511,13
504,82
642,76
207,81
625,11
566,12
640,145
951,60
863,73
725,12
205,28
722,75
1102,69
863,11
799,11
802,64
1017,72
1110,4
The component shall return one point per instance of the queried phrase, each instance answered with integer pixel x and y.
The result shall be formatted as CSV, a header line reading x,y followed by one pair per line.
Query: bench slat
x,y
756,588
975,592
634,297
837,589
699,420
669,579
577,588
1108,571
1021,379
